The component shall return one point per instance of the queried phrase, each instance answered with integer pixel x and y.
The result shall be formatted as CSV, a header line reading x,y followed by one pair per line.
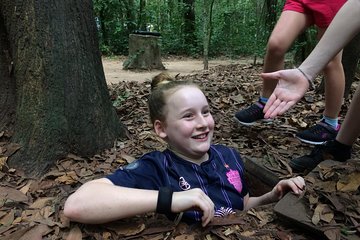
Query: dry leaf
x,y
185,237
327,215
26,188
317,214
332,234
128,229
69,178
36,233
3,162
129,159
12,194
8,219
349,183
248,233
41,202
74,234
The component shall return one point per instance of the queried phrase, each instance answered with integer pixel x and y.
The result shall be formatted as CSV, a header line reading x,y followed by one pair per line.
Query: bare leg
x,y
287,29
334,84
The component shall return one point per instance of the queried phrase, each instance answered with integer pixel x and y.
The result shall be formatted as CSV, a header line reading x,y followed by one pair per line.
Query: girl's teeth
x,y
200,136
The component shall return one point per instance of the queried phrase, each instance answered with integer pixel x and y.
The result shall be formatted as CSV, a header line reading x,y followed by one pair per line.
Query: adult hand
x,y
296,185
193,199
291,87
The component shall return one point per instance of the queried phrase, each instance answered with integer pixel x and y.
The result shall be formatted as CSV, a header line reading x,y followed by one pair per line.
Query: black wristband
x,y
164,200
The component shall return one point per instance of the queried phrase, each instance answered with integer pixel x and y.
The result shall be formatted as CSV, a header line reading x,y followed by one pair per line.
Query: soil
x,y
114,72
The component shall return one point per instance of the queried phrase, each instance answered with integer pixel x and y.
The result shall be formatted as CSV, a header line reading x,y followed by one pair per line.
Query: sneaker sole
x,y
311,142
253,123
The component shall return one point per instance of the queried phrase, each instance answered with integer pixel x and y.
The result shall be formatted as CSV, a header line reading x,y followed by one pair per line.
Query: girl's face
x,y
189,126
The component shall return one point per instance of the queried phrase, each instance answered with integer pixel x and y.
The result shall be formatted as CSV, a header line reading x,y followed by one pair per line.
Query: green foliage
x,y
113,26
238,27
304,45
121,98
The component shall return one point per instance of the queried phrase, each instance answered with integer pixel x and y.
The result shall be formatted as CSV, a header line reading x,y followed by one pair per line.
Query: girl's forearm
x,y
261,200
345,25
98,202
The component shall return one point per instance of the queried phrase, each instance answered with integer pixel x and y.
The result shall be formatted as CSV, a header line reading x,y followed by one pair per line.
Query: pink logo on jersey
x,y
233,177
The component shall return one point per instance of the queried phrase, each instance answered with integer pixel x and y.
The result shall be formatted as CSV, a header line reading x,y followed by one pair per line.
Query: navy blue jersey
x,y
221,177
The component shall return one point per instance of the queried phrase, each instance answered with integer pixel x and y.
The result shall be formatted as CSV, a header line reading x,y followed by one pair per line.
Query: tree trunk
x,y
189,23
130,16
142,15
269,14
7,83
62,101
207,7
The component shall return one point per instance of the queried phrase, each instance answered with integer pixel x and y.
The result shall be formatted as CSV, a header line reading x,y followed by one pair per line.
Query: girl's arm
x,y
297,185
101,201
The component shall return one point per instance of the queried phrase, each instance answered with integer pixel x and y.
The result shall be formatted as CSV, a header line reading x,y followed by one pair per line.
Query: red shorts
x,y
321,12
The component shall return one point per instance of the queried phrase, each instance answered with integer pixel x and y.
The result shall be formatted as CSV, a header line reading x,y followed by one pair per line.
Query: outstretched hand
x,y
291,87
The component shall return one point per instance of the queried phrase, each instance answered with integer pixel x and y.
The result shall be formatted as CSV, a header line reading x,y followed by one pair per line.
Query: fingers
x,y
282,107
208,211
297,185
270,76
269,105
274,107
194,199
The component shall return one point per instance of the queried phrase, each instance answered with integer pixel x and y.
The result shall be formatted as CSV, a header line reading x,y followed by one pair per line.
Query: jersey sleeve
x,y
144,173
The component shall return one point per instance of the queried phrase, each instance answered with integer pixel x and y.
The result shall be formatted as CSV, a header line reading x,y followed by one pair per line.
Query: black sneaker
x,y
250,115
332,150
318,134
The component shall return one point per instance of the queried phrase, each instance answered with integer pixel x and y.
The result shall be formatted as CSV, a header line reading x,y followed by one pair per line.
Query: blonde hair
x,y
162,86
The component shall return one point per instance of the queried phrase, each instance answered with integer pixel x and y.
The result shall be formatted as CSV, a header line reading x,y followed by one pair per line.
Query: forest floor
x,y
33,208
114,72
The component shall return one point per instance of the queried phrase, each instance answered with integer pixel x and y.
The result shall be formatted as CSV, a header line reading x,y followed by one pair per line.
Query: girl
x,y
191,176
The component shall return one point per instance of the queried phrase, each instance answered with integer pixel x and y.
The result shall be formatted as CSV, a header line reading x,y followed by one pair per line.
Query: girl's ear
x,y
159,128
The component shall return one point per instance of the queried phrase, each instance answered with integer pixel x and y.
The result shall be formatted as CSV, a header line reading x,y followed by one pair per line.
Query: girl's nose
x,y
201,121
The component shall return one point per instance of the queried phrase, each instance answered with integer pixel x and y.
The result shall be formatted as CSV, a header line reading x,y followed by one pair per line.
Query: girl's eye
x,y
189,115
207,111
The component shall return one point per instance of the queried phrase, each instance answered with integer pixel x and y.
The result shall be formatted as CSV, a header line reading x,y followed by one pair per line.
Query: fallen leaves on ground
x,y
33,208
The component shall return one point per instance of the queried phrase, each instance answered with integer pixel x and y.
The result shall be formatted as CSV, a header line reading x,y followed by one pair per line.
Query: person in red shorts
x,y
296,17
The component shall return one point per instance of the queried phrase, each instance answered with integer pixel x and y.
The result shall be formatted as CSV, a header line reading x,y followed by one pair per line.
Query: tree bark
x,y
142,15
62,101
130,17
207,8
7,83
189,23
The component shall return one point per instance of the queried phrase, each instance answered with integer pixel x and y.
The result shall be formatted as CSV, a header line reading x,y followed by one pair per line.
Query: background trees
x,y
238,27
206,28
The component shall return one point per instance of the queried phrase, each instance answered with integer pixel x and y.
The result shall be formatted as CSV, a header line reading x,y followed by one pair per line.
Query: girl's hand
x,y
296,185
193,199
